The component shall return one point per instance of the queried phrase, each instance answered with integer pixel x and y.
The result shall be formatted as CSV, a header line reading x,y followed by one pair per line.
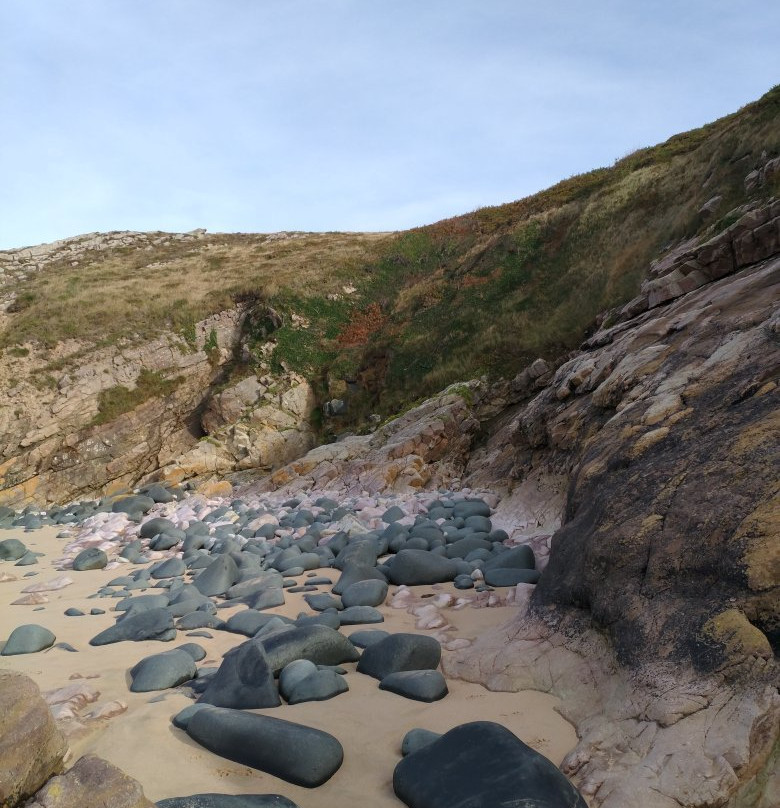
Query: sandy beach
x,y
368,722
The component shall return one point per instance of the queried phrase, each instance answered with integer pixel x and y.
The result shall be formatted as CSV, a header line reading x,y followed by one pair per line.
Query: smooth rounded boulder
x,y
365,593
420,567
319,685
295,753
244,680
480,765
509,576
154,624
28,639
317,643
218,577
211,800
157,525
400,652
92,558
425,686
12,550
161,671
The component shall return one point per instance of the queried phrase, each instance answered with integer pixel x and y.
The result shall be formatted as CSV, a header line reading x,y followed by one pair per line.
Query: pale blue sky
x,y
264,115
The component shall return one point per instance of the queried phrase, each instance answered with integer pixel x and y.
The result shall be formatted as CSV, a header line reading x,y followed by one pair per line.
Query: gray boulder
x,y
27,639
154,624
161,671
293,752
425,685
400,652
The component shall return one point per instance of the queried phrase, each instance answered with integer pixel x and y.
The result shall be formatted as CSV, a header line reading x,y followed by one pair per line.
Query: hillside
x,y
378,321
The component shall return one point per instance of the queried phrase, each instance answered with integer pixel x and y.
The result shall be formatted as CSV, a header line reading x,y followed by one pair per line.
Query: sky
x,y
268,115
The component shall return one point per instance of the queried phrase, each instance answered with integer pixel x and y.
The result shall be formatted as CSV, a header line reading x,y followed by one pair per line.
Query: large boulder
x,y
293,752
31,746
161,671
400,652
211,800
418,567
481,765
92,783
28,639
153,624
244,680
317,643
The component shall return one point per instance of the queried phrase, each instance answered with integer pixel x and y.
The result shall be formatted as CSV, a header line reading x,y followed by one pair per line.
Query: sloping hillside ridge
x,y
116,345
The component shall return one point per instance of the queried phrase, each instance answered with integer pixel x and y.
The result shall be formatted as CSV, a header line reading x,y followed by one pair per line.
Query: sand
x,y
368,722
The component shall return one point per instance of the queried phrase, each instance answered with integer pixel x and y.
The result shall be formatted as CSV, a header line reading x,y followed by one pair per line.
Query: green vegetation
x,y
483,293
117,400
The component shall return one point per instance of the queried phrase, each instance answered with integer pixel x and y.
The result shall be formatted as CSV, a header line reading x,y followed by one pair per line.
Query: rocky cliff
x,y
646,463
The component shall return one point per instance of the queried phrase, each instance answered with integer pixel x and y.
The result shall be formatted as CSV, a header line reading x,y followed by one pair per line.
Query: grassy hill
x,y
398,316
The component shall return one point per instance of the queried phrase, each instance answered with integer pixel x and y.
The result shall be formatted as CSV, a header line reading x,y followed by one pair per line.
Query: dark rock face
x,y
481,765
293,752
687,530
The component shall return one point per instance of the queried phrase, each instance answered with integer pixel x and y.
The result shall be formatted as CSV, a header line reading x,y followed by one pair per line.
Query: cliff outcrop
x,y
656,617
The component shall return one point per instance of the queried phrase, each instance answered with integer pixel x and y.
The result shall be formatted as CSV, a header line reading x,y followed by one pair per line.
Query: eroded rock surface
x,y
32,748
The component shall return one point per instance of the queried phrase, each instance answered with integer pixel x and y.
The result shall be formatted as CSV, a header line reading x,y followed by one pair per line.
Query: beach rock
x,y
357,615
365,593
133,505
228,801
31,746
27,639
508,576
481,764
154,624
293,752
182,718
170,568
427,685
157,525
321,602
417,738
293,673
400,652
317,643
12,550
319,685
197,652
248,622
199,619
161,671
28,559
92,782
244,680
92,558
362,639
520,558
418,567
218,577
